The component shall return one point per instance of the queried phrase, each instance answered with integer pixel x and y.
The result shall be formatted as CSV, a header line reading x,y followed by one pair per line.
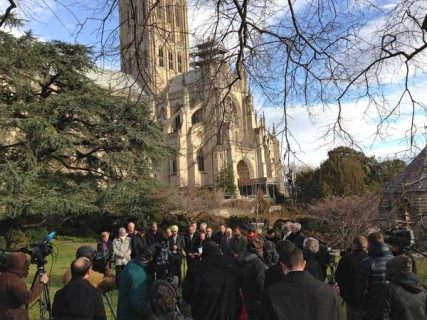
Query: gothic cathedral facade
x,y
204,107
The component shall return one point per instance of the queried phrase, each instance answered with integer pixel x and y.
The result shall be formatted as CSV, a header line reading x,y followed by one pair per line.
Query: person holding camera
x,y
104,282
14,295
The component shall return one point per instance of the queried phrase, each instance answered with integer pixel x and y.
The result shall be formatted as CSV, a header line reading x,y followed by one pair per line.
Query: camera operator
x,y
400,248
14,296
104,282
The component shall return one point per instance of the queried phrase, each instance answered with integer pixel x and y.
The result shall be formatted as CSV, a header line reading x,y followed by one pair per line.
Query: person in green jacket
x,y
134,286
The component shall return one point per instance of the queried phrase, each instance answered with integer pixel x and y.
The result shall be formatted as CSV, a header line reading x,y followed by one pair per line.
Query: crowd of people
x,y
228,276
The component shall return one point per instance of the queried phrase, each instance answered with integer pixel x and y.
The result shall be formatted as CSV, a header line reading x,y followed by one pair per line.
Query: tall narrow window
x,y
169,14
174,166
170,58
177,123
179,58
161,58
159,10
201,163
177,16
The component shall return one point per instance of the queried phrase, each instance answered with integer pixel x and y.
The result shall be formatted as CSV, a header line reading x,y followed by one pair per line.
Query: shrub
x,y
16,239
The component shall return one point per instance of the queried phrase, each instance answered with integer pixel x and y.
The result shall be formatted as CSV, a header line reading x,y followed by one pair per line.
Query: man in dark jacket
x,y
79,299
404,297
154,236
237,243
299,296
212,286
372,273
253,269
138,244
192,240
297,237
14,296
224,244
220,234
346,276
311,248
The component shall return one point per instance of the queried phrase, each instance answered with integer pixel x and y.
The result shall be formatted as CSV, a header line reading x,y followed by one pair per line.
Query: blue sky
x,y
50,20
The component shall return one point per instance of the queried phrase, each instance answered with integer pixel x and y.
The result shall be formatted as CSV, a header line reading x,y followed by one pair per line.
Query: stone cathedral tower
x,y
205,112
154,41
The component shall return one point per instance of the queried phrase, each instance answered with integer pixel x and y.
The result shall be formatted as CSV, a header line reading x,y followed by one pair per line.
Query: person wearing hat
x,y
404,297
103,282
14,296
212,286
176,239
253,269
135,281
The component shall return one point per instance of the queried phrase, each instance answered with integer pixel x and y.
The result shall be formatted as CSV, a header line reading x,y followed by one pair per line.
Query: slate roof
x,y
413,178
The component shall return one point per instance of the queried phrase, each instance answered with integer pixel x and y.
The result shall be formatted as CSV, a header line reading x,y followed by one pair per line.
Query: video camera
x,y
101,261
38,252
401,237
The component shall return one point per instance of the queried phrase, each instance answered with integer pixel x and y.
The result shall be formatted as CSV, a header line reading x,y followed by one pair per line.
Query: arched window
x,y
170,58
161,57
179,62
196,117
243,170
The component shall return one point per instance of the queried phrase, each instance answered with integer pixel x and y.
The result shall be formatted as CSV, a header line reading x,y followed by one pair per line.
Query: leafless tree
x,y
311,53
347,217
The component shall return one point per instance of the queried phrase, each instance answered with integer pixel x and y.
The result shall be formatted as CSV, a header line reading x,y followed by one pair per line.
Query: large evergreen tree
x,y
69,147
346,172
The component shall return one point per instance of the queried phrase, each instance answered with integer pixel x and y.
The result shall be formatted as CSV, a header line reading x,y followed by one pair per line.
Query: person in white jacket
x,y
121,251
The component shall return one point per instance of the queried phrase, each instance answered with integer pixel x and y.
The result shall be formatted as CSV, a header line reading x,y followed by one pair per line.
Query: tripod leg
x,y
113,311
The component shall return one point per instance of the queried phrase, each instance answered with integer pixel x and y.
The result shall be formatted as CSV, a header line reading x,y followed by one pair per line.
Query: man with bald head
x,y
79,299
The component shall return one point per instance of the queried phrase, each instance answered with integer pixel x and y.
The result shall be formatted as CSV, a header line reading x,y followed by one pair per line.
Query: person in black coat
x,y
192,241
404,297
138,244
224,244
299,295
154,236
372,273
79,299
220,234
311,248
237,243
253,268
297,237
346,276
176,239
212,286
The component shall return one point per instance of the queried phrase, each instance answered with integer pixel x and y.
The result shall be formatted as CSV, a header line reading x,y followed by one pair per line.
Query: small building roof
x,y
413,178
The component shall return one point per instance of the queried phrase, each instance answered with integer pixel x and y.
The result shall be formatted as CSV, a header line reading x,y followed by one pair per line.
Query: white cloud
x,y
311,144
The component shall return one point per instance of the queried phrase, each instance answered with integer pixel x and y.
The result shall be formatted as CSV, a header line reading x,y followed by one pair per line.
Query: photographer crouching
x,y
14,296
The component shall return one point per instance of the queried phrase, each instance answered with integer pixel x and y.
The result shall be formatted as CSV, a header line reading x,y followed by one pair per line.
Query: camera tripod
x,y
45,307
